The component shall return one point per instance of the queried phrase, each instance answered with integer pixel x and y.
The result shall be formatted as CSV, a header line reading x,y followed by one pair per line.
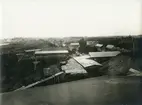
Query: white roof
x,y
51,52
110,46
74,44
32,50
72,67
75,71
85,62
91,42
104,54
63,44
3,44
99,45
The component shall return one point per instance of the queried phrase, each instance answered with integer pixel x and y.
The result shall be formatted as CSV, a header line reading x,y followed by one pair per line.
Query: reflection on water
x,y
93,91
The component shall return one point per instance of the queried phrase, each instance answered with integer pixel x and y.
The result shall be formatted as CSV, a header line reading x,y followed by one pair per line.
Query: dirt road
x,y
92,91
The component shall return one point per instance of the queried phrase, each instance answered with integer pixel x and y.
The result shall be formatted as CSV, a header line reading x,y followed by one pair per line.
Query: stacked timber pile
x,y
73,70
51,70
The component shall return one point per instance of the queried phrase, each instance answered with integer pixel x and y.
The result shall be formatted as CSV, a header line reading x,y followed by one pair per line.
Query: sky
x,y
63,18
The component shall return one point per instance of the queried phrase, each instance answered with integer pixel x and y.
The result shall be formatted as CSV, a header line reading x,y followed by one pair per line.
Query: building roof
x,y
85,62
110,46
99,45
4,44
104,54
74,44
32,50
72,67
51,52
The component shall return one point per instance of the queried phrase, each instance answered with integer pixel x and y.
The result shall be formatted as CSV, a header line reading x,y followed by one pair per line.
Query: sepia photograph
x,y
70,52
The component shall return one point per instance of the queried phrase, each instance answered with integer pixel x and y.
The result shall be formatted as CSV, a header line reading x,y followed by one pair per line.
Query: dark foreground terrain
x,y
102,90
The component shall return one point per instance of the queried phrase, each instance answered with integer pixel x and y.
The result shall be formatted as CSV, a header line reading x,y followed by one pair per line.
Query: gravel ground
x,y
119,65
